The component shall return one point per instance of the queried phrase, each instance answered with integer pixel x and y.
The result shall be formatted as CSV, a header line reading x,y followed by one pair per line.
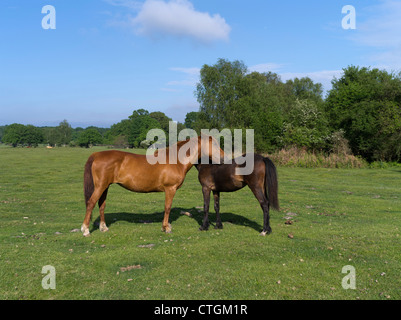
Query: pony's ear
x,y
206,136
202,135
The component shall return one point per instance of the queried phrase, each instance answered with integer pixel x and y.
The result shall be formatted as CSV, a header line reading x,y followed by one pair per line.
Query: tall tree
x,y
305,88
230,97
2,128
13,134
162,119
216,92
141,123
64,132
32,136
366,103
190,119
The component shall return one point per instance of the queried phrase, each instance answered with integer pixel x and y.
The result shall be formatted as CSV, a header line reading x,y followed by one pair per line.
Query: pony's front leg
x,y
206,202
166,226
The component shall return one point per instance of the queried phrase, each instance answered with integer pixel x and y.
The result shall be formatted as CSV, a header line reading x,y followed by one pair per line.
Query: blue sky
x,y
107,58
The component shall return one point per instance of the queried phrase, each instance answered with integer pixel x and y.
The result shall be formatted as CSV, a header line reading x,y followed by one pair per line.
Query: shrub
x,y
300,157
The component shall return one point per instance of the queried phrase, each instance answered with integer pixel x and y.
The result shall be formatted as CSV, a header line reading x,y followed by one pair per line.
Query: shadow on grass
x,y
157,217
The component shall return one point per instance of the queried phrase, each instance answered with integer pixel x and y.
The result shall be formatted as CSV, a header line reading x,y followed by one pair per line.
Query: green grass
x,y
343,217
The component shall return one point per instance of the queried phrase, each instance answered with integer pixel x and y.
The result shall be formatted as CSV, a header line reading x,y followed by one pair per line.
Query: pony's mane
x,y
179,144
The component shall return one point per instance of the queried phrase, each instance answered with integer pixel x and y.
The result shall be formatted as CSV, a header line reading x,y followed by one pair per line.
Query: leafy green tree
x,y
19,134
76,132
2,128
282,114
306,89
133,131
13,134
64,132
366,104
32,136
141,123
191,119
89,137
118,133
217,92
307,126
60,135
162,119
230,97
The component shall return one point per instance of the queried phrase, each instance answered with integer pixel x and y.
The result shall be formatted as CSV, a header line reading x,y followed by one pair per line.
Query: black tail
x,y
89,186
271,183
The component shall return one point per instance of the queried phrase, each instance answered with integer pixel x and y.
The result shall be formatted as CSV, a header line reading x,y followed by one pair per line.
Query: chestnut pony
x,y
135,173
222,178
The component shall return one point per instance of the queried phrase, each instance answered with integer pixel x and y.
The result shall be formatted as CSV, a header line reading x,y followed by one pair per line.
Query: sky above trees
x,y
108,57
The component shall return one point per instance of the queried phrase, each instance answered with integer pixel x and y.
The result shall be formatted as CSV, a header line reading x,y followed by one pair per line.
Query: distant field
x,y
340,217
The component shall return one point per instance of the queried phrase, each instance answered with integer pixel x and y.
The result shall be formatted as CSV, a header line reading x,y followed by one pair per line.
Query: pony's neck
x,y
189,155
192,151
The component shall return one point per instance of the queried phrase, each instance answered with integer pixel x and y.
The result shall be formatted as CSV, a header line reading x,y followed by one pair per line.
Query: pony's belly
x,y
141,187
228,188
229,185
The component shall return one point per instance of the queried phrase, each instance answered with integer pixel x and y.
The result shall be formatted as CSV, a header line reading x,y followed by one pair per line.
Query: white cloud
x,y
186,82
324,77
383,27
158,18
379,27
179,109
265,67
132,4
189,71
170,90
192,77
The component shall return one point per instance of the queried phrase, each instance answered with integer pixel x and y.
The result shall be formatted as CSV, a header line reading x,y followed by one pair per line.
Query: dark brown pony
x,y
222,178
135,173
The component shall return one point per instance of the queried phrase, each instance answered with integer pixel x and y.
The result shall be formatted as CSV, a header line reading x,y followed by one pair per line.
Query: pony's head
x,y
210,148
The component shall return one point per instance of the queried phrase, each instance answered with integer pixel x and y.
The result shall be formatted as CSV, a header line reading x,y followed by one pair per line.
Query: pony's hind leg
x,y
102,206
264,203
216,196
89,208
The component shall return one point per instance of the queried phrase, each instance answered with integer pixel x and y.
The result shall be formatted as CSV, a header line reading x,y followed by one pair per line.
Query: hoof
x,y
85,231
264,233
204,226
167,229
218,226
103,227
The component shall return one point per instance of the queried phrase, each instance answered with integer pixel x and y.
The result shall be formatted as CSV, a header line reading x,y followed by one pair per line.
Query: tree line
x,y
360,115
63,135
128,133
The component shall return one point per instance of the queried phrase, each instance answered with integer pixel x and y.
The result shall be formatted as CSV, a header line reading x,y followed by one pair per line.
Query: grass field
x,y
340,217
